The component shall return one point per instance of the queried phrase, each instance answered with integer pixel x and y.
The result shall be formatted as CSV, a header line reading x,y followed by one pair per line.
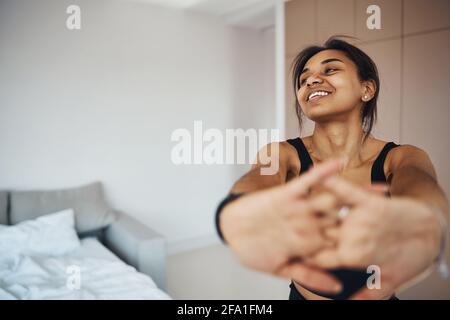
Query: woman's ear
x,y
369,88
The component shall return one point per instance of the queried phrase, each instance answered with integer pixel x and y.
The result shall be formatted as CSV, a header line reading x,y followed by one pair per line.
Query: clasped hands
x,y
294,231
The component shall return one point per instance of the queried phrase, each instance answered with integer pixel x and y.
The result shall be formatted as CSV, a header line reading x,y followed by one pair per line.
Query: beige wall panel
x,y
335,17
300,25
426,112
423,15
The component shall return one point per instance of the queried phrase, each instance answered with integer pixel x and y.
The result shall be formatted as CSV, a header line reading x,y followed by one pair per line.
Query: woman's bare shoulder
x,y
408,154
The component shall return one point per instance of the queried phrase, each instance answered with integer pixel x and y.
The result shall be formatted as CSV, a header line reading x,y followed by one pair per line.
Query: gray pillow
x,y
3,207
91,210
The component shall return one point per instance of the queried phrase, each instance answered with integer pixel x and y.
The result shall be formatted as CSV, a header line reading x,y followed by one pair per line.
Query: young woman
x,y
359,201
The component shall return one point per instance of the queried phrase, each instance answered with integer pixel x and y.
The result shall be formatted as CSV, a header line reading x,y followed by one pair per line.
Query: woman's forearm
x,y
418,185
253,181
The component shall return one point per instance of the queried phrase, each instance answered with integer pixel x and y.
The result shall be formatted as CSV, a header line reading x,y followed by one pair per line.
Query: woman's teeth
x,y
318,93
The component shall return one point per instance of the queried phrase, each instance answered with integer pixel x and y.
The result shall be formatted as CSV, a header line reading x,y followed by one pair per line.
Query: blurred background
x,y
101,103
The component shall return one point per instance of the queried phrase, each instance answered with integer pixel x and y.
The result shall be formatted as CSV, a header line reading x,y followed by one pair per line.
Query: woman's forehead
x,y
318,58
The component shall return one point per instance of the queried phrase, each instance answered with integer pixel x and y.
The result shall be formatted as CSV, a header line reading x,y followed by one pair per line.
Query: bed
x,y
78,252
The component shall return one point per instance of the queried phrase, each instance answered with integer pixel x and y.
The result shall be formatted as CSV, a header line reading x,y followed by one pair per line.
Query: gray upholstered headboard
x,y
3,207
91,210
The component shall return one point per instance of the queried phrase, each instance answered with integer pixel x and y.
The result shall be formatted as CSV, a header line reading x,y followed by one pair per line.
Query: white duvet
x,y
43,259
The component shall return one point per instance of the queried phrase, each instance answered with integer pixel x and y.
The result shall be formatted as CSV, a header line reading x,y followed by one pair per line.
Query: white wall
x,y
101,104
253,83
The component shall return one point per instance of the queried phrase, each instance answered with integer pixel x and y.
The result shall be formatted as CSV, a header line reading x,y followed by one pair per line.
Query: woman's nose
x,y
313,80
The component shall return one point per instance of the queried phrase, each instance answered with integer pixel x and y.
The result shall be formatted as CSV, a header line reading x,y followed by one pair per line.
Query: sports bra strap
x,y
377,174
305,159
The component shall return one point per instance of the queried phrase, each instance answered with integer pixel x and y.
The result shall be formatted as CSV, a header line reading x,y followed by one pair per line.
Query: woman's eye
x,y
327,70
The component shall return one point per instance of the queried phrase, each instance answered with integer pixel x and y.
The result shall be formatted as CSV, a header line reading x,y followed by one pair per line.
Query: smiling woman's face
x,y
329,86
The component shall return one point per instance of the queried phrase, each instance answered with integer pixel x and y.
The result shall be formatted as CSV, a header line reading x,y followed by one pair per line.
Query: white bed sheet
x,y
89,272
92,248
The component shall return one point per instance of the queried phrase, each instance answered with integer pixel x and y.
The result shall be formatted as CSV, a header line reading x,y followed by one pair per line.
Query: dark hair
x,y
367,70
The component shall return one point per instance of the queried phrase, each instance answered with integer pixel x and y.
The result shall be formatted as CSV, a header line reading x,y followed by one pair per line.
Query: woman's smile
x,y
317,94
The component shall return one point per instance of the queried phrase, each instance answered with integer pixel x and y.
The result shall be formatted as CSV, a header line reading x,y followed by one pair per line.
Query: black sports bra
x,y
351,279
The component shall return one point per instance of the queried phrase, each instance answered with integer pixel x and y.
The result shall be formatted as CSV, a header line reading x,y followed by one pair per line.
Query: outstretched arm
x,y
413,175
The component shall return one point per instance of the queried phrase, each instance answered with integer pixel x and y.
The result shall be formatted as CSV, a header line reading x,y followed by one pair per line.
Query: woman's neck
x,y
338,139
